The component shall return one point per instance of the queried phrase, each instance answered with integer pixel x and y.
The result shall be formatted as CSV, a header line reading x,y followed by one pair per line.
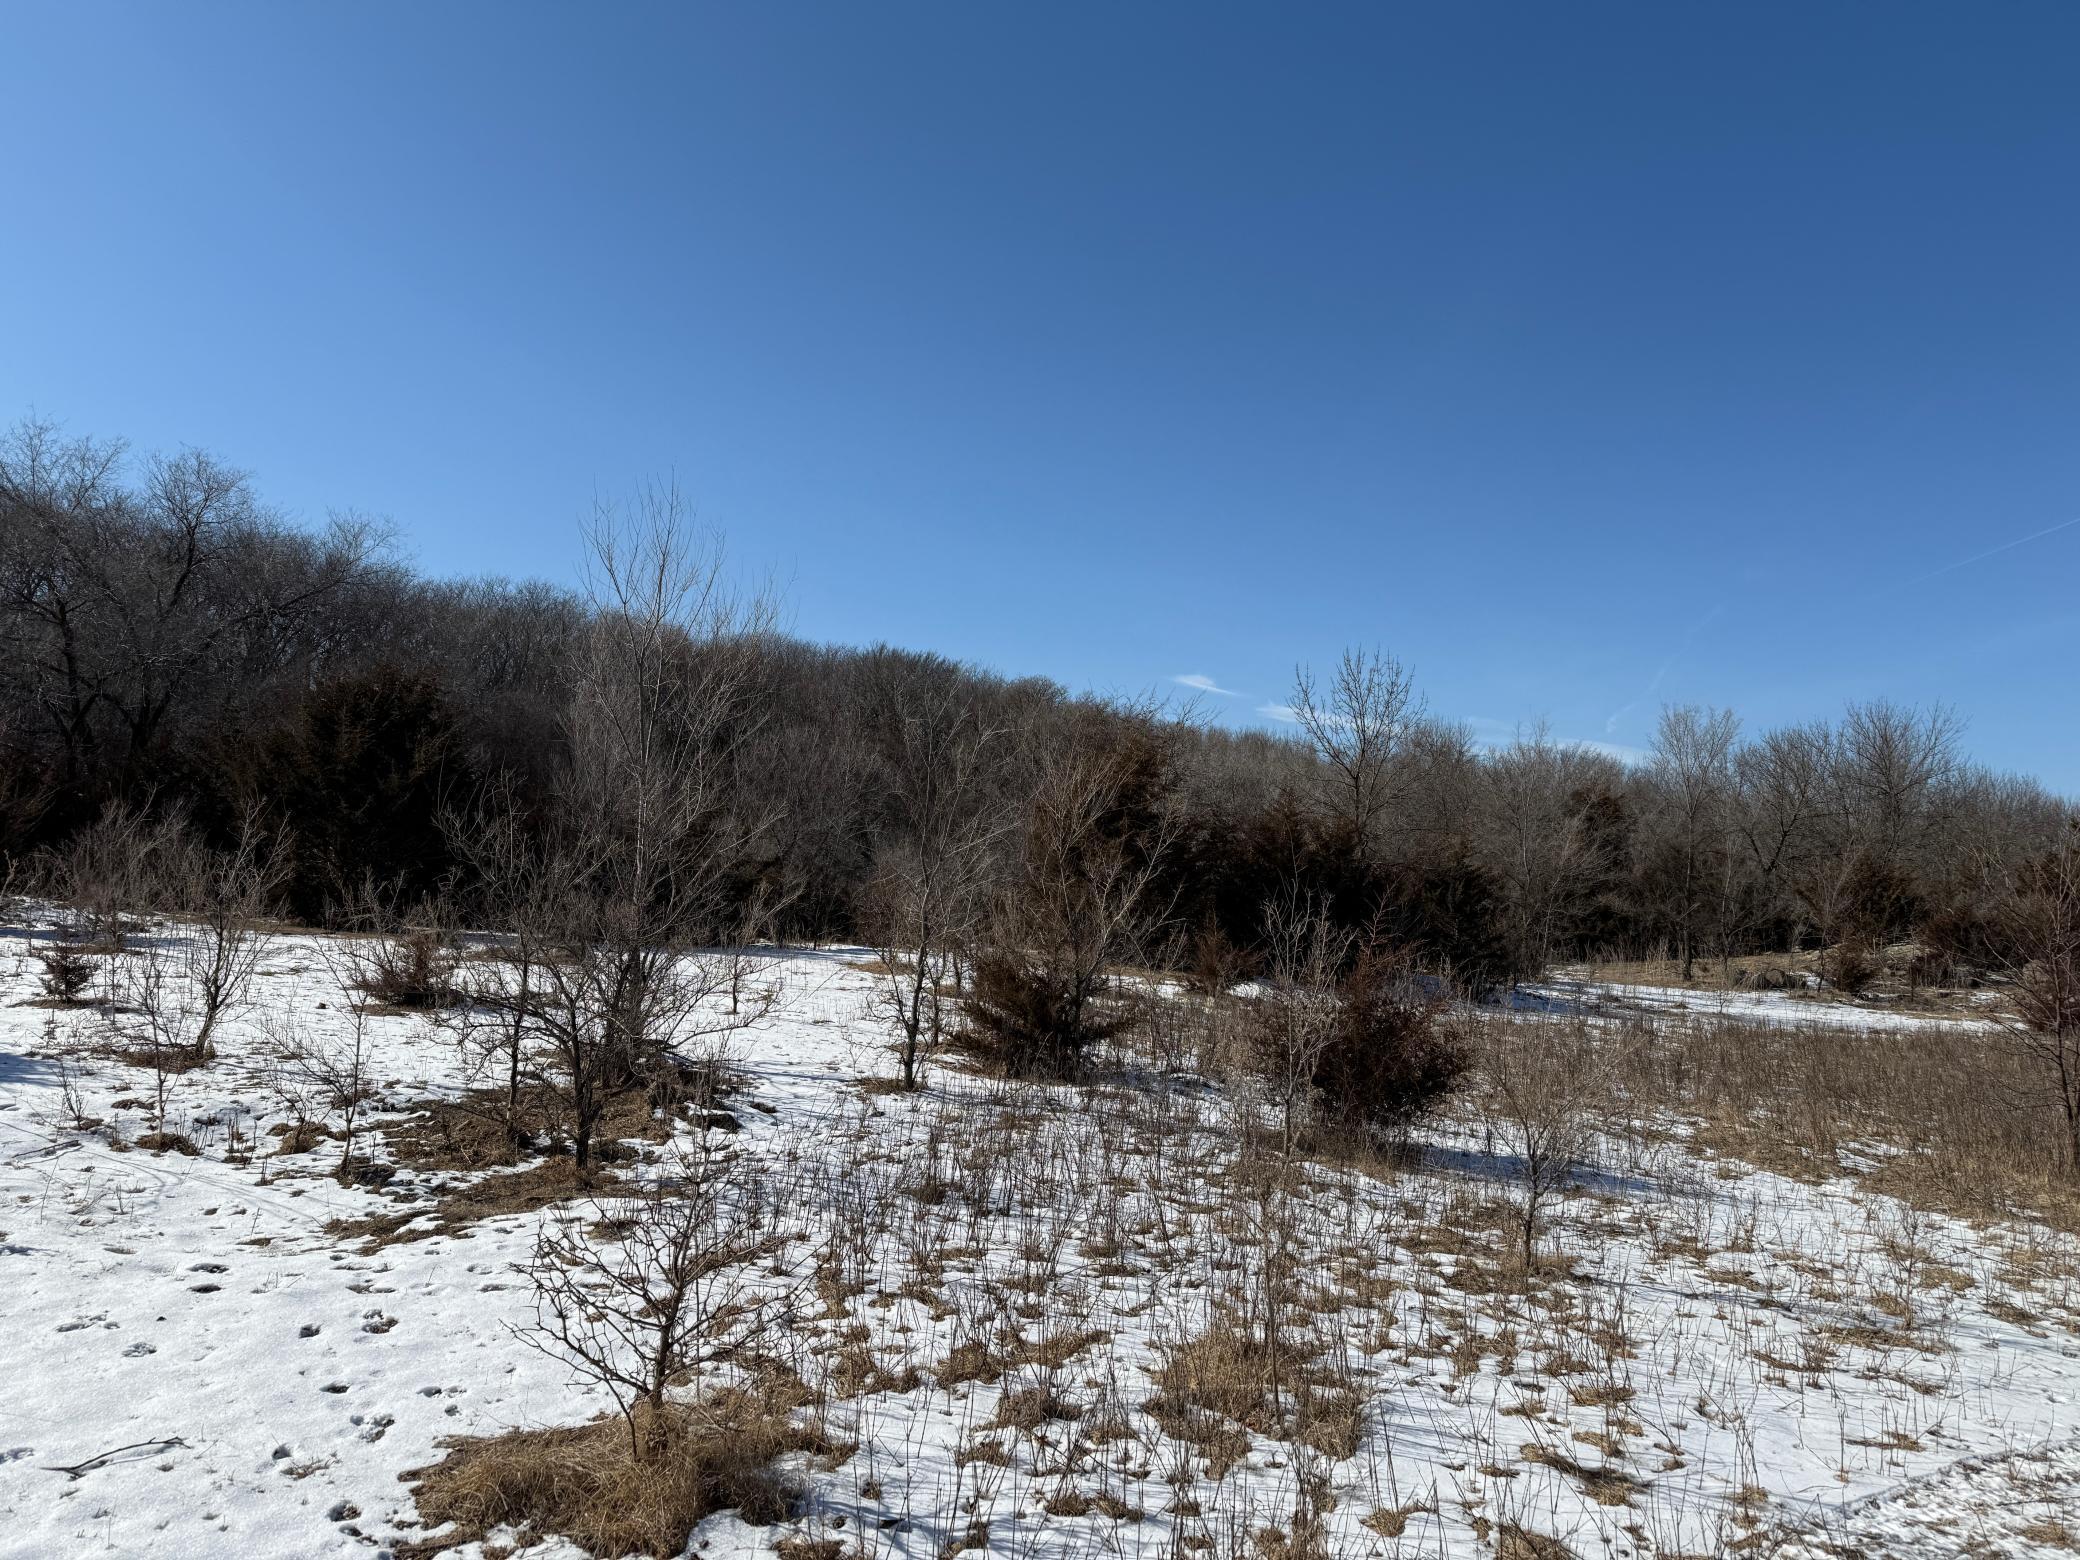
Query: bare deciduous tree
x,y
1083,896
115,868
1357,726
329,1068
155,1018
1692,774
1537,840
932,865
2040,937
632,921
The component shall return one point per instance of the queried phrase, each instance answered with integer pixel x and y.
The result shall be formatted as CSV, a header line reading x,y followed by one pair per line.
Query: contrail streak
x,y
1991,551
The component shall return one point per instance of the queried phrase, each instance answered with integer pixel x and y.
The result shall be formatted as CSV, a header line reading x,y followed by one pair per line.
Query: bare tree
x,y
631,912
330,1069
669,1289
225,895
1893,763
118,599
1083,896
1357,725
1295,1014
115,868
1783,805
1542,1084
2040,940
155,1018
1692,779
1537,840
517,888
932,865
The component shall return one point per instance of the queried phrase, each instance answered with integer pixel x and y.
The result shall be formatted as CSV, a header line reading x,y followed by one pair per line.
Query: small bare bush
x,y
112,870
328,1070
1545,1087
667,1290
411,967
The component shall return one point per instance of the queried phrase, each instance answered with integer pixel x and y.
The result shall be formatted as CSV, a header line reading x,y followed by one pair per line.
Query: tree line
x,y
647,752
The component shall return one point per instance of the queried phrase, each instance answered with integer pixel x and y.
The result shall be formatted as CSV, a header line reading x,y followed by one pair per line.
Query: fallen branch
x,y
81,1470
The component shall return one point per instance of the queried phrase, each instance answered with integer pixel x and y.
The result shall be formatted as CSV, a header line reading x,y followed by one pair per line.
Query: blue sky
x,y
1586,357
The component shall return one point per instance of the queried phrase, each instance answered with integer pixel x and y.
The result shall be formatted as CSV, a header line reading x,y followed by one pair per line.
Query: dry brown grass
x,y
1606,1486
1227,1377
584,1482
515,1191
1516,1543
1959,1121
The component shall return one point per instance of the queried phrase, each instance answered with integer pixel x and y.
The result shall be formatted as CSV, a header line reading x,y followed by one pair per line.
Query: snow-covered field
x,y
1778,1009
1727,1361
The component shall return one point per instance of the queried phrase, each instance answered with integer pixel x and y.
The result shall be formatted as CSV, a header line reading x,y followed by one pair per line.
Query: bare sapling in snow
x,y
155,1021
1543,1088
1294,1016
325,1066
115,869
933,861
224,897
517,886
631,939
662,1284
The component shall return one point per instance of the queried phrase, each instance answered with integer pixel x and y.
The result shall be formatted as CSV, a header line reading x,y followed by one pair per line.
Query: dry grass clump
x,y
411,971
1518,1543
585,1484
1606,1486
1227,1377
976,1360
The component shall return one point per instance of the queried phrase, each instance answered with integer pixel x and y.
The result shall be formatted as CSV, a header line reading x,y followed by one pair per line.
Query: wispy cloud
x,y
1494,735
1668,664
1283,712
1622,752
1980,557
1204,684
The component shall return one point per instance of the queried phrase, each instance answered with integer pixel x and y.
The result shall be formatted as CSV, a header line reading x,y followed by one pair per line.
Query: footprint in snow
x,y
373,1429
138,1351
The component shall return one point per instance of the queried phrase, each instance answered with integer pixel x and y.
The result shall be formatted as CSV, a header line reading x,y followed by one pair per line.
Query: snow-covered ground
x,y
190,1364
1572,994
